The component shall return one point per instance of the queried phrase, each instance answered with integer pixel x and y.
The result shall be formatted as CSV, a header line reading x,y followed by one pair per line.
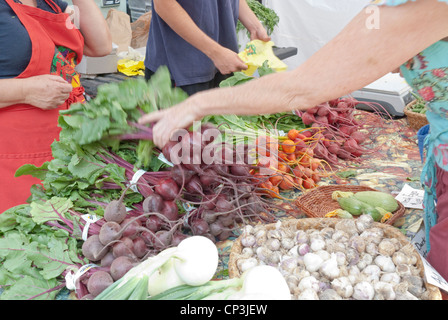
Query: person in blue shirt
x,y
410,34
197,40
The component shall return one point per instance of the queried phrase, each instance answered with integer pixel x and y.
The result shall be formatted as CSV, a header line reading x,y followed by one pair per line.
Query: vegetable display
x,y
185,272
118,219
351,259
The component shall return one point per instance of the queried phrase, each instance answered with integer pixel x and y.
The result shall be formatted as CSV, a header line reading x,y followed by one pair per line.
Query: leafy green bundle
x,y
95,134
34,256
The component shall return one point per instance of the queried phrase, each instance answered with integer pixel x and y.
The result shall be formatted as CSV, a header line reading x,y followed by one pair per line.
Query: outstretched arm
x,y
356,57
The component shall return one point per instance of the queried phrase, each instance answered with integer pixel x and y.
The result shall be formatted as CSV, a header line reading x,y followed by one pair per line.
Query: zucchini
x,y
378,199
374,213
352,205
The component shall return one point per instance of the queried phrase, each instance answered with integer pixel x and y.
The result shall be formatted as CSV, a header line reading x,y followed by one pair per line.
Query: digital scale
x,y
391,91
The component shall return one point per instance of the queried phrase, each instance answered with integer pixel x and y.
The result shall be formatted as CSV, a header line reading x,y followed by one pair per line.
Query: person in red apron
x,y
30,102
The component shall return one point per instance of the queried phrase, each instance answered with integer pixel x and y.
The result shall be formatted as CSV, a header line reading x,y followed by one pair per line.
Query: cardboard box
x,y
99,65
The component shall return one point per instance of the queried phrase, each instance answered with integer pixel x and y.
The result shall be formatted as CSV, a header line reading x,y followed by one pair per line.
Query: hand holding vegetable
x,y
227,61
46,91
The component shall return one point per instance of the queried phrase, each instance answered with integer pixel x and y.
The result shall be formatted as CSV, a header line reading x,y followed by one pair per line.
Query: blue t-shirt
x,y
188,65
15,43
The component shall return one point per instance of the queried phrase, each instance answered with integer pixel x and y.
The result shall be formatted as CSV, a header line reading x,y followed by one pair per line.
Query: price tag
x,y
410,197
433,277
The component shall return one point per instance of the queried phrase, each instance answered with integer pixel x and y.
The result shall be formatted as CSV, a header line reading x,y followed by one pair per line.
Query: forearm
x,y
94,28
248,18
181,23
11,92
353,59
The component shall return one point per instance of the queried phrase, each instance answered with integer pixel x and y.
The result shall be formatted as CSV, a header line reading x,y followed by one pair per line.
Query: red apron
x,y
26,132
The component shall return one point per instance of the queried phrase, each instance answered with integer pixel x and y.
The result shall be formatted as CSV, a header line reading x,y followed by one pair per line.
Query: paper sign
x,y
410,197
419,241
433,277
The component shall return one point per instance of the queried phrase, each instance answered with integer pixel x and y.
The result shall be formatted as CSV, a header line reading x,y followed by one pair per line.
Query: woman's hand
x,y
46,91
168,121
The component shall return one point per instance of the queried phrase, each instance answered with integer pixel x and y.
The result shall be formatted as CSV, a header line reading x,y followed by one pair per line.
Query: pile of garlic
x,y
352,260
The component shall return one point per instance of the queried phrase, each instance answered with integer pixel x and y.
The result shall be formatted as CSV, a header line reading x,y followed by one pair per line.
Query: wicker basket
x,y
320,223
415,120
317,202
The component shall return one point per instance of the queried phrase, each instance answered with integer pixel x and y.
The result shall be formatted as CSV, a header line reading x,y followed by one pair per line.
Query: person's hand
x,y
167,121
228,61
260,34
46,91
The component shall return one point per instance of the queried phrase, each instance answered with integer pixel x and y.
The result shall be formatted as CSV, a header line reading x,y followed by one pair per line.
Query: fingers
x,y
158,130
243,65
63,85
151,117
160,135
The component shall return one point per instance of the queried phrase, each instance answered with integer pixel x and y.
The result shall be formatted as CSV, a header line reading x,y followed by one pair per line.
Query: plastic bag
x,y
131,67
131,62
256,53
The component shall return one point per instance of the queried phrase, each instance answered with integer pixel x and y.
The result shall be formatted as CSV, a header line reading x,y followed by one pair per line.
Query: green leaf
x,y
43,211
52,258
32,170
29,287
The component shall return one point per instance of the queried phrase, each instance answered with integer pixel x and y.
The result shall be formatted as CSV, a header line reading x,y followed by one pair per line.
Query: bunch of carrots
x,y
288,162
